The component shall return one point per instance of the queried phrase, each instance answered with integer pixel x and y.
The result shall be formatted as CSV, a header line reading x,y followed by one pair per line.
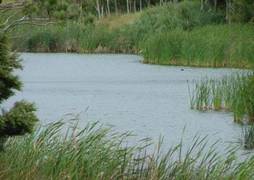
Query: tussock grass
x,y
96,152
231,93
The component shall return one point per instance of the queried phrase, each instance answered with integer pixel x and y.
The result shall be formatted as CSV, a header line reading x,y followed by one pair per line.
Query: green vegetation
x,y
126,37
207,33
74,37
172,34
96,152
21,118
247,139
234,93
210,46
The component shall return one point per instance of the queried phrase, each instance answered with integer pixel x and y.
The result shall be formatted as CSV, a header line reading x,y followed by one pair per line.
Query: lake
x,y
118,90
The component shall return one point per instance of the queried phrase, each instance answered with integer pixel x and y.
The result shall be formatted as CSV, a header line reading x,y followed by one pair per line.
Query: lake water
x,y
148,100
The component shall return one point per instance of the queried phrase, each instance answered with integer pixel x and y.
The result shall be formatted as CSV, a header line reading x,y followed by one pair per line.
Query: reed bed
x,y
73,37
127,37
98,152
172,34
231,93
208,46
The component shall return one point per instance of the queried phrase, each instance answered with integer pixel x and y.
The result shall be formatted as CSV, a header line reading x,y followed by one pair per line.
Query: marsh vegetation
x,y
189,33
172,34
97,152
231,93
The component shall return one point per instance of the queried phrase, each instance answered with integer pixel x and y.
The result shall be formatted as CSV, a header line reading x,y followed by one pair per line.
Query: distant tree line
x,y
235,10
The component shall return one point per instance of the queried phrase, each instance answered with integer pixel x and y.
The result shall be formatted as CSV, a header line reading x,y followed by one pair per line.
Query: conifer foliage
x,y
20,119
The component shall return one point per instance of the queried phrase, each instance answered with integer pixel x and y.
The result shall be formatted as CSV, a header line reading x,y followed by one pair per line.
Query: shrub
x,y
185,15
43,41
19,120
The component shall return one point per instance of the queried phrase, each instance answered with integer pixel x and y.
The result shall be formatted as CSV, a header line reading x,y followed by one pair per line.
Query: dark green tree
x,y
20,119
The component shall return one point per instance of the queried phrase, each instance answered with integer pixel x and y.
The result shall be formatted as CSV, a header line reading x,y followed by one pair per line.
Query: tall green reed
x,y
231,93
209,46
247,137
98,152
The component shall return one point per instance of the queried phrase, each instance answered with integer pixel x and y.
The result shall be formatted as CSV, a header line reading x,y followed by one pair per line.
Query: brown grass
x,y
118,21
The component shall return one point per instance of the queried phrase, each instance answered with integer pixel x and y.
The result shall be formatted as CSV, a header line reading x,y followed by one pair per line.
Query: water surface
x,y
148,100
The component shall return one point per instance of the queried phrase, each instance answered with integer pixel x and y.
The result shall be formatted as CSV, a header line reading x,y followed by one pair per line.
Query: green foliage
x,y
242,11
230,10
185,15
247,139
81,37
97,152
75,37
53,9
45,41
175,33
212,46
21,118
249,98
8,82
234,93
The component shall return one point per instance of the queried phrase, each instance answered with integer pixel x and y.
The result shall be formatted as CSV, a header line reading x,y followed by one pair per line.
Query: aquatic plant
x,y
98,152
231,93
247,139
209,46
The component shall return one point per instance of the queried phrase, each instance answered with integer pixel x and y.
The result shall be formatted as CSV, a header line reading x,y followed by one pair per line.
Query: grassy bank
x,y
209,46
173,34
96,152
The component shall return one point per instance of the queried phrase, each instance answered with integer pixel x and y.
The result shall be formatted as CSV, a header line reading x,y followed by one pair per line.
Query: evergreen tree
x,y
20,119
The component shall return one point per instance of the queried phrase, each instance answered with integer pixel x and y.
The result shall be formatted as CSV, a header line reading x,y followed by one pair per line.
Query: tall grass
x,y
96,152
73,37
231,93
210,46
79,37
173,34
247,139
